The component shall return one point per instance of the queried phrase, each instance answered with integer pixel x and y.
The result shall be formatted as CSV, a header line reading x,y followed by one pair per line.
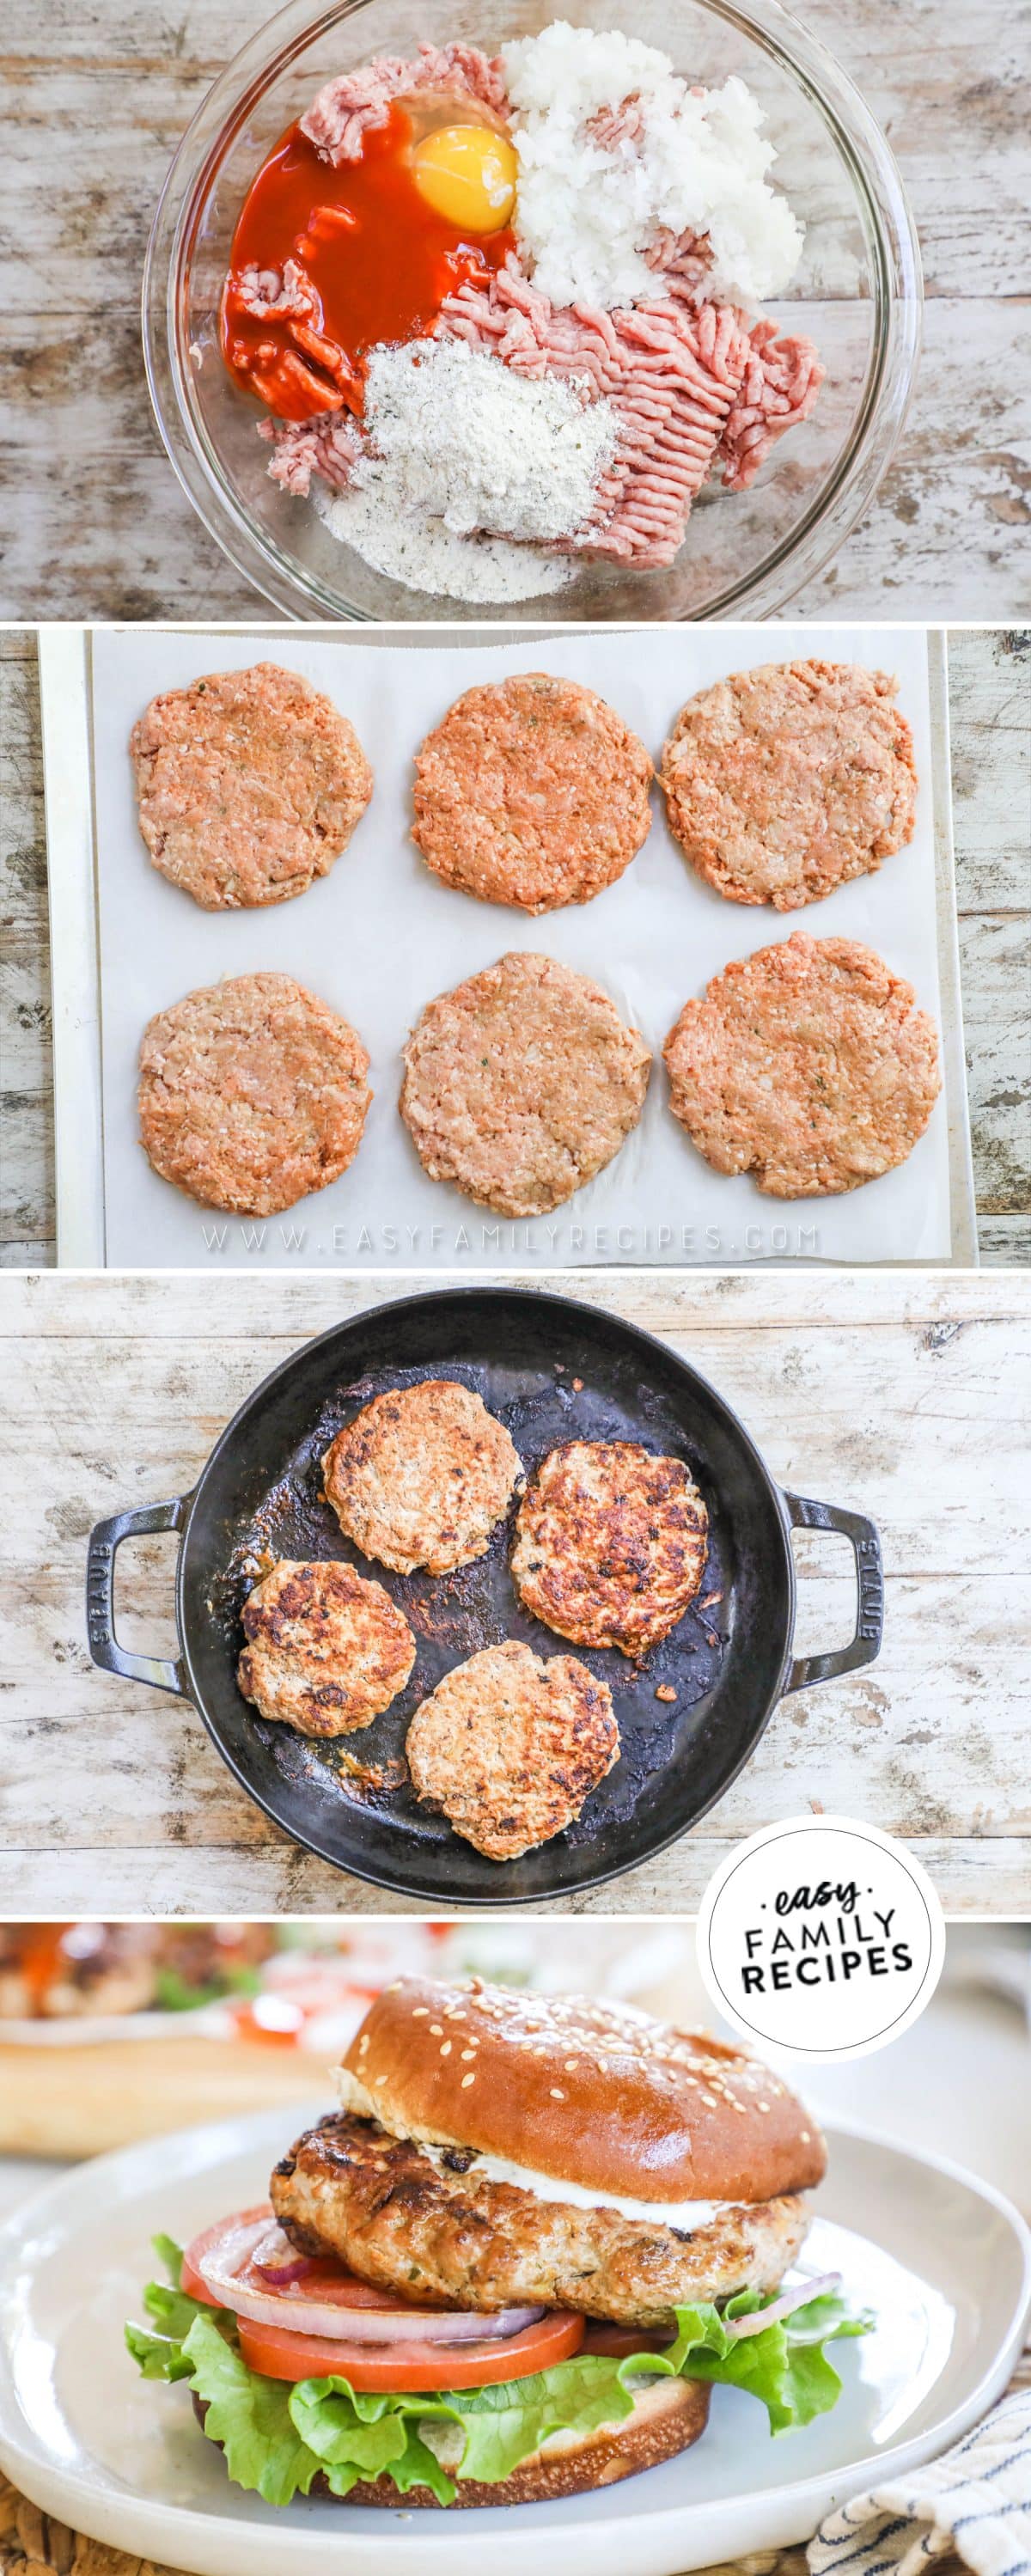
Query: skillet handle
x,y
105,1541
864,1539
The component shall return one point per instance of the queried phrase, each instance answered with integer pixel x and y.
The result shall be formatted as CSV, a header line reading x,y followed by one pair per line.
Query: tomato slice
x,y
322,2282
277,2352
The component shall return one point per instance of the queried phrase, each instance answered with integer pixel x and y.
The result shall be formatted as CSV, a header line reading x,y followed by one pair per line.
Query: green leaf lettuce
x,y
278,2437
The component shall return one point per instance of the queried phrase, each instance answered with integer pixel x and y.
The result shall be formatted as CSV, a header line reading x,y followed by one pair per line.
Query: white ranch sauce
x,y
685,2214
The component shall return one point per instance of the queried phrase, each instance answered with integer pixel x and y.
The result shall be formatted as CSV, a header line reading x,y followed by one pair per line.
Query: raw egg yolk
x,y
467,173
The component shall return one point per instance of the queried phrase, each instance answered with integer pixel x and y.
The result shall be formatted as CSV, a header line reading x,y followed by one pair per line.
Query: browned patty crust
x,y
508,1747
521,1084
252,1093
532,792
326,1649
783,782
610,1544
406,2218
808,1064
422,1476
249,783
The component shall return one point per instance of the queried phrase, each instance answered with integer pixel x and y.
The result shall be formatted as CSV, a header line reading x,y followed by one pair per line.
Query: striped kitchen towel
x,y
975,2501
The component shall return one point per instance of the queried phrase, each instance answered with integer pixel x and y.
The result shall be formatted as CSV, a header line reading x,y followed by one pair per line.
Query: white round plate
x,y
944,2262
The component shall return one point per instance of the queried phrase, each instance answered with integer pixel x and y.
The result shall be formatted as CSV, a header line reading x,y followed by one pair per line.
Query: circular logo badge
x,y
821,1936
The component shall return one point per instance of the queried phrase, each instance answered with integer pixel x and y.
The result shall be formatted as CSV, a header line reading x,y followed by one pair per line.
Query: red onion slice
x,y
279,2261
221,2265
785,2306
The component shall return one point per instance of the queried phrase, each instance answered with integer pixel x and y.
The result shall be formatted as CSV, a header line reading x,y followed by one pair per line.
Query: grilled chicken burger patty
x,y
497,2149
524,2228
411,2219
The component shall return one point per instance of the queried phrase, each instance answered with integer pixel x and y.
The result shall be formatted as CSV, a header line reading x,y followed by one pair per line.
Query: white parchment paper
x,y
380,936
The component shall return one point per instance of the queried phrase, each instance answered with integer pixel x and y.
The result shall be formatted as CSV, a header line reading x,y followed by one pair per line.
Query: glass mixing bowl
x,y
858,293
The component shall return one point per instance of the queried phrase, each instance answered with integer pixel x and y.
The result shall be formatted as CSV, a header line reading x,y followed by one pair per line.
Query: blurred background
x,y
111,2032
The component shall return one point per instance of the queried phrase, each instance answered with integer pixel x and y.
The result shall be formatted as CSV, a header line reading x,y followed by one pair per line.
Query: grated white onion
x,y
588,208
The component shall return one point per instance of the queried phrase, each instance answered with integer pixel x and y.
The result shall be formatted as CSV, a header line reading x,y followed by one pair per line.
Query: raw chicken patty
x,y
521,1084
611,1544
422,1476
808,1064
410,2219
249,784
252,1093
326,1649
532,792
783,782
508,1747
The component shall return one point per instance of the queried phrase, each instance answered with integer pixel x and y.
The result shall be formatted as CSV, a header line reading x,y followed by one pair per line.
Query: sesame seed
x,y
467,2054
362,2046
571,2064
436,2030
421,2012
466,2081
446,2050
805,2137
762,2106
556,2095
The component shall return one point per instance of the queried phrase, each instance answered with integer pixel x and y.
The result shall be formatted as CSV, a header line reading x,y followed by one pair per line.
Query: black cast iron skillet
x,y
553,1370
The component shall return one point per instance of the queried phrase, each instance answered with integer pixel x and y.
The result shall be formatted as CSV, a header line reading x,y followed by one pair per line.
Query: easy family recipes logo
x,y
822,1933
821,1936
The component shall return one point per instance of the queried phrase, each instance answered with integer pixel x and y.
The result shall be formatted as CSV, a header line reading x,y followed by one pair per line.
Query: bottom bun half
x,y
666,2419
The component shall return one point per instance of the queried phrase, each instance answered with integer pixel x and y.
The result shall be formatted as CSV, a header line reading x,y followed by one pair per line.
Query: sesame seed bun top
x,y
590,2093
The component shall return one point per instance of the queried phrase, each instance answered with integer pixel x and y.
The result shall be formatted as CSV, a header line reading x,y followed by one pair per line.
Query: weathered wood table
x,y
904,1394
94,101
990,695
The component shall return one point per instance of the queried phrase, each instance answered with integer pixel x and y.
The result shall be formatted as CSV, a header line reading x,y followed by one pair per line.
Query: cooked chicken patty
x,y
532,792
784,782
61,1971
610,1544
422,1476
809,1064
252,1093
521,1084
418,2221
509,1747
249,783
326,1649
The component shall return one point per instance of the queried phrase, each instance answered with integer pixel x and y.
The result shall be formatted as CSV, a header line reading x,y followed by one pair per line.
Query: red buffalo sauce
x,y
379,260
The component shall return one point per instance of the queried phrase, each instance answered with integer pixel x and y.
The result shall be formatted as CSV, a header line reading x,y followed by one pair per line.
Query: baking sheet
x,y
380,936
